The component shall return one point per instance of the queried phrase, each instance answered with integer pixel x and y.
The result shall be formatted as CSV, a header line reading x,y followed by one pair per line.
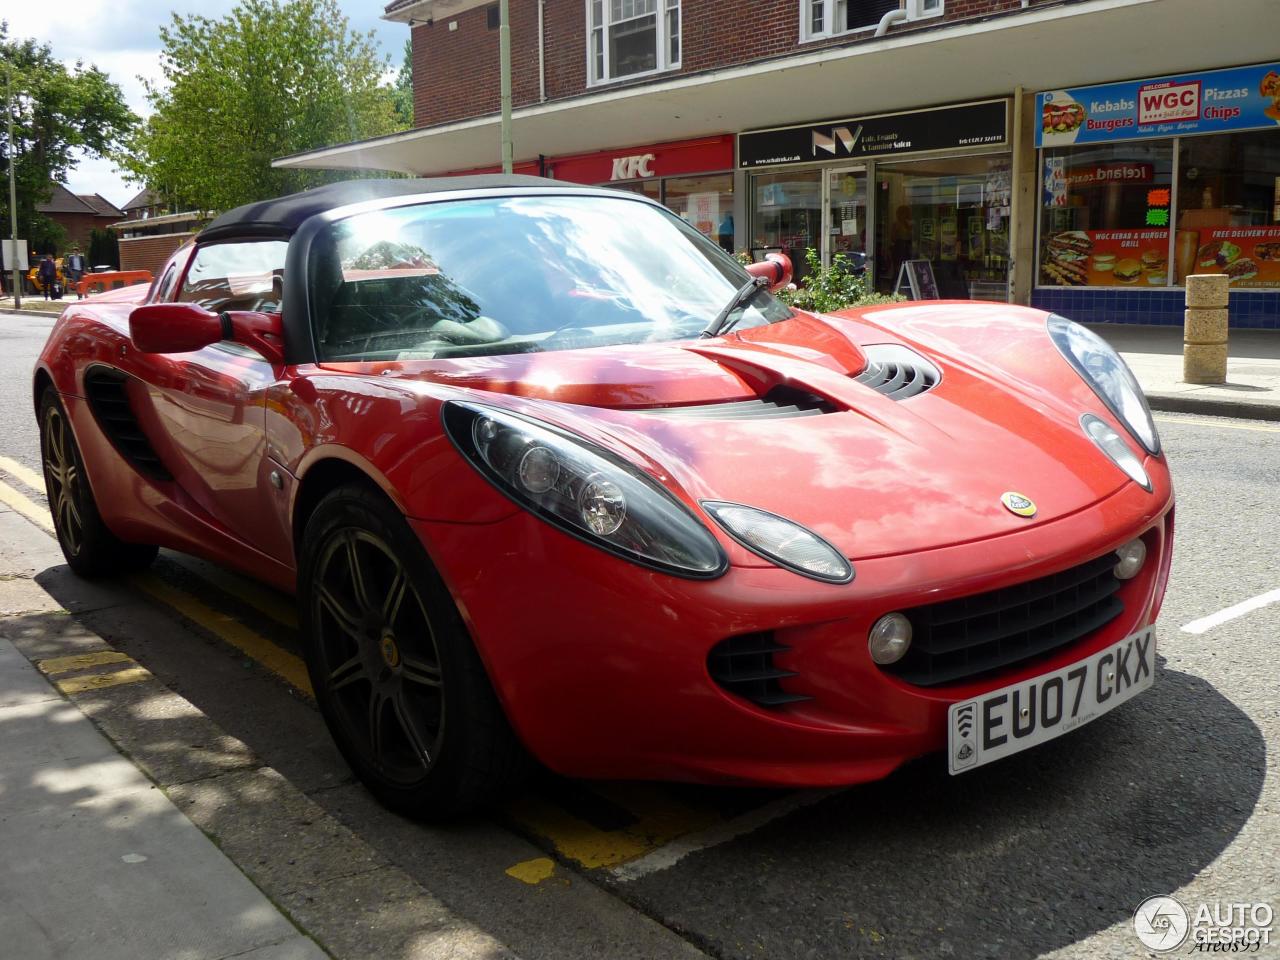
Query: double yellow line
x,y
659,816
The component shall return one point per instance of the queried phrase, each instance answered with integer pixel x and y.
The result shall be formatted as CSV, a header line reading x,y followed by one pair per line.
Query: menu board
x,y
1106,258
1249,256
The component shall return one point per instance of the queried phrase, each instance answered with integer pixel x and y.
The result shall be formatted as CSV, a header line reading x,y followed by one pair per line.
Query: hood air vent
x,y
897,372
780,403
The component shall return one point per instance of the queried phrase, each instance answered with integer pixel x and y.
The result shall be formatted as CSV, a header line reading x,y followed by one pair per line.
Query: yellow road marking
x,y
32,511
22,474
1219,423
265,601
96,681
248,642
660,819
533,871
56,665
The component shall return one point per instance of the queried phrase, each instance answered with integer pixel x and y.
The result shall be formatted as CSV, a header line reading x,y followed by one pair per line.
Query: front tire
x,y
91,550
396,677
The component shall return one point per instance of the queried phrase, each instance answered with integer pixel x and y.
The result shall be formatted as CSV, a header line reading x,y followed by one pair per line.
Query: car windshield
x,y
499,275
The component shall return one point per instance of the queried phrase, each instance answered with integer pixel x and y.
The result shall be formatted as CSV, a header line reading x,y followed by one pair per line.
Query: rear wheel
x,y
397,679
90,548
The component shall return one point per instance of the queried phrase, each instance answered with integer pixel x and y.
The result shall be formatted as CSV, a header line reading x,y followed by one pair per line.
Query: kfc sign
x,y
629,168
1168,102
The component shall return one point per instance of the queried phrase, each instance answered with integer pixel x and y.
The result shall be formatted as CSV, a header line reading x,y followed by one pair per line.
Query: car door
x,y
209,405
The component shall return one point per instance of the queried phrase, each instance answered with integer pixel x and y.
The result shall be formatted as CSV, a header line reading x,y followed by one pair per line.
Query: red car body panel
x,y
601,664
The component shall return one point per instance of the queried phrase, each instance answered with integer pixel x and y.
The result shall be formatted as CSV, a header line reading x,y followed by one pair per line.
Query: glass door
x,y
844,226
787,215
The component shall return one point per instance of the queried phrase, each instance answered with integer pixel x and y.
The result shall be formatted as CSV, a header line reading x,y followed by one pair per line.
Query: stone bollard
x,y
1204,355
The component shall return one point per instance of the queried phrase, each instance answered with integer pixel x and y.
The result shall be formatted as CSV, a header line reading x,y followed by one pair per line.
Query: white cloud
x,y
122,38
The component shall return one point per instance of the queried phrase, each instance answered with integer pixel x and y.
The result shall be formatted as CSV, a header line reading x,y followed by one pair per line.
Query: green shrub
x,y
836,287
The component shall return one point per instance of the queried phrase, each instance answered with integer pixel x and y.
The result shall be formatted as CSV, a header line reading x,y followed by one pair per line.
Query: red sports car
x,y
553,475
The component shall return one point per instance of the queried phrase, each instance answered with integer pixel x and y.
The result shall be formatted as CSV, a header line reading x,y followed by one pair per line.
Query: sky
x,y
122,37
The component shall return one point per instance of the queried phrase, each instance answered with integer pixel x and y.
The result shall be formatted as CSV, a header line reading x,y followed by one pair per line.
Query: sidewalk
x,y
1154,354
98,862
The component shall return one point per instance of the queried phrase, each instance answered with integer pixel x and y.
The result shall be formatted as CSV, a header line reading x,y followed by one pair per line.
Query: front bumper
x,y
602,665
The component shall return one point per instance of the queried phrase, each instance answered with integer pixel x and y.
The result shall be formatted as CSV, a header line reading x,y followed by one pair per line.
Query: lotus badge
x,y
1017,503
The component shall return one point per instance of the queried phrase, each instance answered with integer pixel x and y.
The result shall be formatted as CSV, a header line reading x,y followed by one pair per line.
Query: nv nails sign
x,y
983,124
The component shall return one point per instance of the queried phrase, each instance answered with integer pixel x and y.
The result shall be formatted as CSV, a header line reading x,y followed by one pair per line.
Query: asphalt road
x,y
1043,854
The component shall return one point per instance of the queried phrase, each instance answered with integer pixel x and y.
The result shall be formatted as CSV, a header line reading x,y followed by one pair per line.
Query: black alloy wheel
x,y
395,673
90,548
375,644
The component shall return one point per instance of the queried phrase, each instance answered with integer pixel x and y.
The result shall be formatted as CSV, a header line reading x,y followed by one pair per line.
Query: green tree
x,y
402,91
59,113
271,78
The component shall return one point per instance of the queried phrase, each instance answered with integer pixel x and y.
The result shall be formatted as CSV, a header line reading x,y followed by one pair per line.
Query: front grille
x,y
965,638
897,371
744,666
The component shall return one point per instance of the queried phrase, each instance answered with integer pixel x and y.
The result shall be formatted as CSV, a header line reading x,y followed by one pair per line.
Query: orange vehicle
x,y
92,283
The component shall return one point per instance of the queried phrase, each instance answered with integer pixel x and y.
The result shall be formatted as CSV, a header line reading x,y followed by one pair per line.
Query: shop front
x,y
1147,181
692,177
924,185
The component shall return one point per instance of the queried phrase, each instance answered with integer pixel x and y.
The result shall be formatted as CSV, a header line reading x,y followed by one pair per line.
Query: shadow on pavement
x,y
1025,856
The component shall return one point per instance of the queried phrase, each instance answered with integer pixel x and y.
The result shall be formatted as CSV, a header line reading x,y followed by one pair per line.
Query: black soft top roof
x,y
282,216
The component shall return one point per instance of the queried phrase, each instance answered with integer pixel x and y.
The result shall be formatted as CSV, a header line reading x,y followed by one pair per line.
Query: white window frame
x,y
916,10
663,11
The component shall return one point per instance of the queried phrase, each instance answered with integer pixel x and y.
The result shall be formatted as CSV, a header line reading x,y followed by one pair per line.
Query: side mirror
x,y
184,327
263,332
174,328
775,267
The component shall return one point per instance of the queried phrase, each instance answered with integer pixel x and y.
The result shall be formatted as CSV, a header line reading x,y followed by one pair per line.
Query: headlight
x,y
784,542
584,490
1108,375
1113,445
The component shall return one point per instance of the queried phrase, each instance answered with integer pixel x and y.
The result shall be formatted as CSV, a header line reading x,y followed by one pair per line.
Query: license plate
x,y
1024,714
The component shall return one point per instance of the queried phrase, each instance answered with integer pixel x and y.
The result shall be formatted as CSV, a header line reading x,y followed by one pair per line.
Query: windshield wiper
x,y
743,297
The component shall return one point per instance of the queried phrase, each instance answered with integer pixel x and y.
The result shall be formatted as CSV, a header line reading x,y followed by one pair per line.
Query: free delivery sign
x,y
1239,98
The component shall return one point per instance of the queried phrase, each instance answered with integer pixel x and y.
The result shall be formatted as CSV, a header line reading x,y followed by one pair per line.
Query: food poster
x,y
1106,258
1249,256
704,211
1216,101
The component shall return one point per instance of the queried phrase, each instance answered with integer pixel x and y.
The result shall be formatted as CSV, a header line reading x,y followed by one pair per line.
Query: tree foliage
x,y
271,78
402,91
59,112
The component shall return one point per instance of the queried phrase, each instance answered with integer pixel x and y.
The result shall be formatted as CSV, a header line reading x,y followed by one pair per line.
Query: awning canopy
x,y
1043,47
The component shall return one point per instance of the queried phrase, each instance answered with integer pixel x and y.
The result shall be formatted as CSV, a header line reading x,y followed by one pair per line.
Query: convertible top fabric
x,y
282,216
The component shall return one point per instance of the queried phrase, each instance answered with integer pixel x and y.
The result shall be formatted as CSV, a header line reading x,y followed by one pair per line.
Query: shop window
x,y
1228,208
953,212
786,215
706,203
1105,215
629,38
827,18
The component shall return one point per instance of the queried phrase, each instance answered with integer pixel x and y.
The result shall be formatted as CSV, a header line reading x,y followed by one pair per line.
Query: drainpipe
x,y
542,70
889,19
504,55
1015,205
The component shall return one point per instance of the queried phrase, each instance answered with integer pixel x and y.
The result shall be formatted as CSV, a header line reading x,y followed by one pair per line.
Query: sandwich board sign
x,y
918,276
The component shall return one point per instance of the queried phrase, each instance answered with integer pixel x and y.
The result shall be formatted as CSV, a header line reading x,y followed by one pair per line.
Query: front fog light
x,y
1132,556
890,638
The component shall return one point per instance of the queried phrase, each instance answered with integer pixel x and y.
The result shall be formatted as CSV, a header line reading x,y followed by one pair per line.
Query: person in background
x,y
73,270
48,275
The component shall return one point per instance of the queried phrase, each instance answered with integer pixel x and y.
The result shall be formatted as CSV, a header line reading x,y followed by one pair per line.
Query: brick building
x,y
79,215
1024,147
152,229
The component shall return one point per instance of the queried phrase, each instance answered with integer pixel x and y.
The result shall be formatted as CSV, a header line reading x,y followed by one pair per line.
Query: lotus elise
x,y
554,477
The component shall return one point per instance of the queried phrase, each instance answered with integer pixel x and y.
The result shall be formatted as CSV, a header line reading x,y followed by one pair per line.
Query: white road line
x,y
1239,610
673,852
24,475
